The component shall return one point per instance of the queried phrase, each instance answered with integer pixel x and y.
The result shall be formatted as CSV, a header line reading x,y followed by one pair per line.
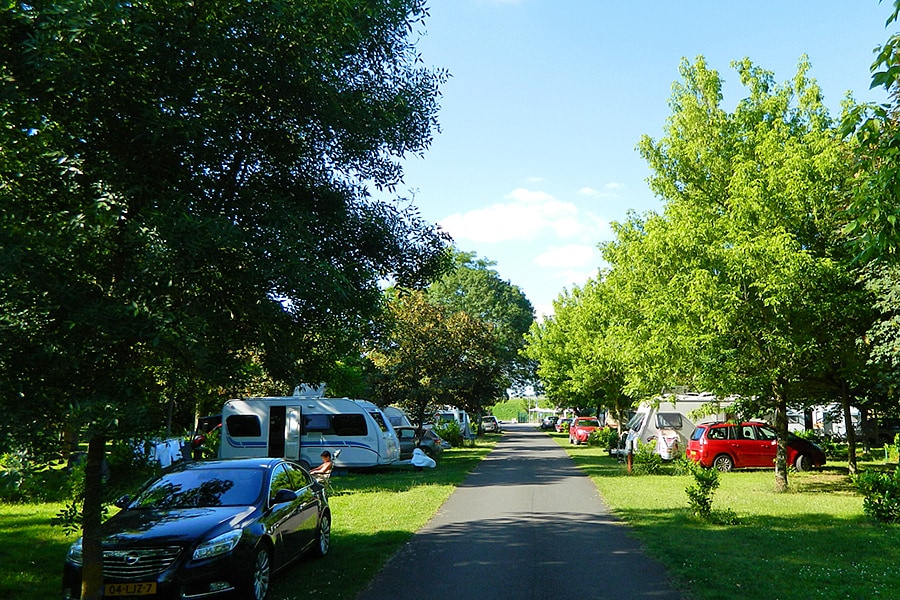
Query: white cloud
x,y
528,215
610,190
573,255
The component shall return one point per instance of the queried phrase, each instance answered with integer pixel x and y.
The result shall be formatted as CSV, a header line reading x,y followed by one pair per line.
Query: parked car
x,y
209,529
490,424
728,446
562,425
549,422
580,429
430,442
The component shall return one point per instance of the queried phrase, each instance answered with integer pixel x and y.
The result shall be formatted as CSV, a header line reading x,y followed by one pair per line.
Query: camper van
x,y
665,422
301,426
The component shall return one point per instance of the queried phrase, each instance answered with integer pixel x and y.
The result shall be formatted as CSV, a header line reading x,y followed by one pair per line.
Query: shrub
x,y
22,479
605,437
881,494
700,494
645,460
451,432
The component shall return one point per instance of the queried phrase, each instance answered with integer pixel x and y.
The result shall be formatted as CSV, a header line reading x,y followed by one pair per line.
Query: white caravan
x,y
665,422
301,426
396,416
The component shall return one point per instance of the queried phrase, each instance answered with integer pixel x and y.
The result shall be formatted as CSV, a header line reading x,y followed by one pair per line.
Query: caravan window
x,y
379,420
635,422
317,423
349,425
668,421
243,426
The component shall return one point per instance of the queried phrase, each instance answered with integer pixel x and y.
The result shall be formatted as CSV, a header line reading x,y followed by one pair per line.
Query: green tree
x,y
428,355
184,185
473,287
747,268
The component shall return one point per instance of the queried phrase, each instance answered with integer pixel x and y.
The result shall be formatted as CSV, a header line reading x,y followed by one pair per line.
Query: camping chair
x,y
325,478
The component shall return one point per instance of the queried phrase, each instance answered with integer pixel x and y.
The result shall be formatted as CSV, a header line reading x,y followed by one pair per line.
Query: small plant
x,y
605,437
645,460
700,494
451,432
881,494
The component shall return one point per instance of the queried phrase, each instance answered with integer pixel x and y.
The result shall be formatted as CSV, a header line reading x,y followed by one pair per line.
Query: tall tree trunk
x,y
851,431
92,573
781,431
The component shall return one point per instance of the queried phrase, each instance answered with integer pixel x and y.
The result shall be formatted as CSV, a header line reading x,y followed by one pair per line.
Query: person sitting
x,y
325,468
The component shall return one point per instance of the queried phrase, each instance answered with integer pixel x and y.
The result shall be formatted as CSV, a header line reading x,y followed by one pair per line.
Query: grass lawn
x,y
374,514
812,542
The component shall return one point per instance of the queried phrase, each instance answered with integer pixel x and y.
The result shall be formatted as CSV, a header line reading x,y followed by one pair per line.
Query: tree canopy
x,y
184,185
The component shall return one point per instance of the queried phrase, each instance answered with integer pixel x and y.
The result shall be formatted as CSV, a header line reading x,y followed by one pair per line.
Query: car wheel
x,y
803,462
323,538
260,575
723,463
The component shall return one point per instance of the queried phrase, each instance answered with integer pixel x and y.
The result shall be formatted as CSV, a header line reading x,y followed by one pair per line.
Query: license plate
x,y
130,589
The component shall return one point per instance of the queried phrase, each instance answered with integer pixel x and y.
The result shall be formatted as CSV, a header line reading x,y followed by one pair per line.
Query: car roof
x,y
231,463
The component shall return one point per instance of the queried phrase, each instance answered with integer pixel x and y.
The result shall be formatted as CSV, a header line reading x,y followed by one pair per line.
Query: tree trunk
x,y
851,431
781,430
92,573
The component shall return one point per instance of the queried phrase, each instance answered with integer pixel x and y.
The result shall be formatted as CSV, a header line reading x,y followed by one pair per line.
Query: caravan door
x,y
294,418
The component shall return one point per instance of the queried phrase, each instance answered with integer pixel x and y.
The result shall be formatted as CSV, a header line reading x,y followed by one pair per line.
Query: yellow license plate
x,y
130,589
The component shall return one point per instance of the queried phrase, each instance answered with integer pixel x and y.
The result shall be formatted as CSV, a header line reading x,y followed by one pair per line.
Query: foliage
x,y
429,355
509,410
473,287
700,493
605,437
23,479
645,460
881,494
450,432
183,185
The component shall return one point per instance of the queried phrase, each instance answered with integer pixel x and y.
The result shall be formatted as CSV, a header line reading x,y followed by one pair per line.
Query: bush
x,y
700,494
645,460
451,432
24,480
605,437
881,494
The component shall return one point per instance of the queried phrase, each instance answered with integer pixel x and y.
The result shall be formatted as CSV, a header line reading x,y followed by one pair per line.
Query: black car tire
x,y
803,462
323,536
723,463
260,575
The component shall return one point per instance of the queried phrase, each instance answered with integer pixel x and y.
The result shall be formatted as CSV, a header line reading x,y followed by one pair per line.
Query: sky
x,y
547,100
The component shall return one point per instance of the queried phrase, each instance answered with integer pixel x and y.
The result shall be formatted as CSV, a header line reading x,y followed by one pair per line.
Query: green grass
x,y
31,552
374,514
812,542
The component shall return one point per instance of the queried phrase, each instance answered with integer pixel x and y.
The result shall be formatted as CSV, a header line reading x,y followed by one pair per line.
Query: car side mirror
x,y
282,496
122,501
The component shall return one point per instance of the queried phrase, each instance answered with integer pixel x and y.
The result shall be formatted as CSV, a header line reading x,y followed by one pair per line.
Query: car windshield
x,y
196,488
634,423
587,423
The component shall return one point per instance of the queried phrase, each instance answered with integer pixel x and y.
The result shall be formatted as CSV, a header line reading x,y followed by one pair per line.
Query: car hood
x,y
172,526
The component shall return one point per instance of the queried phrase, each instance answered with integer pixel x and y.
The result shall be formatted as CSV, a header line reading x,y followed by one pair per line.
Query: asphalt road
x,y
525,525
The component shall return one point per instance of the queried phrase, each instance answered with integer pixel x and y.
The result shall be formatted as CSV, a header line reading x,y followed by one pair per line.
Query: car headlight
x,y
221,544
75,553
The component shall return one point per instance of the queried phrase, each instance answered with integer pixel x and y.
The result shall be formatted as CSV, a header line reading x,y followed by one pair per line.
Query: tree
x,y
746,266
185,184
428,355
473,287
578,364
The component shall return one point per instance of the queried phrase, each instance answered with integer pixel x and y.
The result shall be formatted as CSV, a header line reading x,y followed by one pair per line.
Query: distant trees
x,y
183,195
457,342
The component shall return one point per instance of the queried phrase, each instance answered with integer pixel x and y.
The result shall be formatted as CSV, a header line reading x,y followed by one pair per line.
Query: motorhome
x,y
450,414
666,422
301,426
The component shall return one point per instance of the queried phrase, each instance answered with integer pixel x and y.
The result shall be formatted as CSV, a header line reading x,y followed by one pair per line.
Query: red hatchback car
x,y
728,446
581,428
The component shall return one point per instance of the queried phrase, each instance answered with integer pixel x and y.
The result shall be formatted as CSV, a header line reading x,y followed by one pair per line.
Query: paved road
x,y
525,525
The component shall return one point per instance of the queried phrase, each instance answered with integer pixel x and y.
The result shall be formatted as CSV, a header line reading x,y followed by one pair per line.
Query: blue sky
x,y
548,98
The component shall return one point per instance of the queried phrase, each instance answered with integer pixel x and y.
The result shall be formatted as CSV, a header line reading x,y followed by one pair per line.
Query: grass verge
x,y
374,514
813,542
